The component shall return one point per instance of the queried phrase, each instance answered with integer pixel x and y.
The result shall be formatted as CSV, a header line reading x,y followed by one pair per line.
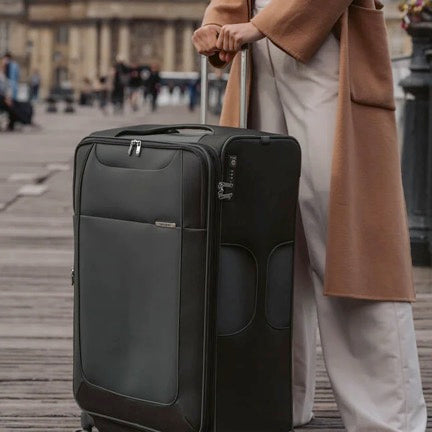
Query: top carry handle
x,y
243,85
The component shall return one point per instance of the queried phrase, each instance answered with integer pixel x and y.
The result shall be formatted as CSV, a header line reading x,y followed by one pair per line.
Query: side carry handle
x,y
243,90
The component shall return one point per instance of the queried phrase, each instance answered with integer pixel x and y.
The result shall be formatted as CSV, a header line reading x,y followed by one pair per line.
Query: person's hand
x,y
233,36
205,38
226,40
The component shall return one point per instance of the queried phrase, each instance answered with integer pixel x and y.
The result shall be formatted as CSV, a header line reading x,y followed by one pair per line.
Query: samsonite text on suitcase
x,y
184,243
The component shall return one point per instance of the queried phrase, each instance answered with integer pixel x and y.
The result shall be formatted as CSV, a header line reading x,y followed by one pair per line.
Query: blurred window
x,y
4,36
62,35
61,75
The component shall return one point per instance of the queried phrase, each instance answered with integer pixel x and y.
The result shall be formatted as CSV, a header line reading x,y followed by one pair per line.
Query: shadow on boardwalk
x,y
35,293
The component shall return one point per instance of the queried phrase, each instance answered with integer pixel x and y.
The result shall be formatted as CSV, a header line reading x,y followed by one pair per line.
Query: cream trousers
x,y
369,347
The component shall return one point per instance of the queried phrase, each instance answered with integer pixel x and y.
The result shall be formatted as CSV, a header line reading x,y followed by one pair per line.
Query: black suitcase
x,y
23,112
184,239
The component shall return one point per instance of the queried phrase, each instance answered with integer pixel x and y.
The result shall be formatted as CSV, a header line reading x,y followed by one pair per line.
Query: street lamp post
x,y
417,149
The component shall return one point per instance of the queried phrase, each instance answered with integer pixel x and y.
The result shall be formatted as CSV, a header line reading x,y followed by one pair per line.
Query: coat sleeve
x,y
222,12
299,27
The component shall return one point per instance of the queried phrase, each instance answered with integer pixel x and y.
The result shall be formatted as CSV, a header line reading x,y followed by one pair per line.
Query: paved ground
x,y
35,293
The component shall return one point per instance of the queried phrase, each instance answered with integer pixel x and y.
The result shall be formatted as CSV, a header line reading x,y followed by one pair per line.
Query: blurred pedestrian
x,y
103,94
194,86
12,72
16,111
154,85
86,94
119,82
6,96
135,86
34,82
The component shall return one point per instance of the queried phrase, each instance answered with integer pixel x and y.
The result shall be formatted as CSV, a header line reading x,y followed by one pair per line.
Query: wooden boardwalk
x,y
36,296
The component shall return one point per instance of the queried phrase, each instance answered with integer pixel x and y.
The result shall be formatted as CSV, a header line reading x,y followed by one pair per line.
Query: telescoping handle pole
x,y
243,88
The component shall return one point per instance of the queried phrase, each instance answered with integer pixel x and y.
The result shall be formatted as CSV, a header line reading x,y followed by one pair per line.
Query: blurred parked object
x,y
51,105
69,105
417,148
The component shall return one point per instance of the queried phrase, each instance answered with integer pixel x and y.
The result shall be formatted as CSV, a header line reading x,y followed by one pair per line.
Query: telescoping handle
x,y
243,85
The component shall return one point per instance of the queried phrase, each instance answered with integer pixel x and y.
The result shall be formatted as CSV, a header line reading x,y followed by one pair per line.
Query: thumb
x,y
229,56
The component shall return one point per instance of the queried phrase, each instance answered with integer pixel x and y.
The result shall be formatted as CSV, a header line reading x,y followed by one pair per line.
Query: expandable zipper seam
x,y
216,240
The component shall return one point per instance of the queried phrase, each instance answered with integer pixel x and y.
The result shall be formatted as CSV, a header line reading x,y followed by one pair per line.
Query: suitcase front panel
x,y
129,307
141,286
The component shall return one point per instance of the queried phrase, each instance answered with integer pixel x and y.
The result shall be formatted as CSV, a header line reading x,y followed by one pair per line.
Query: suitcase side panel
x,y
254,354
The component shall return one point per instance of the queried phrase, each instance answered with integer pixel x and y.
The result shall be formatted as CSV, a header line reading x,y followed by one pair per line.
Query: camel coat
x,y
368,246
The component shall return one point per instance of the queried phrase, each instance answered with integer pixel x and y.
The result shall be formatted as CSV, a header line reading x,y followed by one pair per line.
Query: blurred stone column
x,y
188,49
75,68
45,51
33,36
89,36
105,48
124,41
169,47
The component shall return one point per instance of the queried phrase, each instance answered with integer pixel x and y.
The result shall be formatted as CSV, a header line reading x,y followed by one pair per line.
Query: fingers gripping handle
x,y
243,88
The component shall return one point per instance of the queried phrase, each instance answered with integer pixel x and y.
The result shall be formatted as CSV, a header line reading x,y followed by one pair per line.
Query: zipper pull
x,y
131,147
138,148
73,276
222,195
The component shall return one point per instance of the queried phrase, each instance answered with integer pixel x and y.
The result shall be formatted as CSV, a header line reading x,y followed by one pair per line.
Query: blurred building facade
x,y
70,40
13,29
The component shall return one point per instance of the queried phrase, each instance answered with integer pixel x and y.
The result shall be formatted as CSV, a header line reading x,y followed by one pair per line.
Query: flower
x,y
415,11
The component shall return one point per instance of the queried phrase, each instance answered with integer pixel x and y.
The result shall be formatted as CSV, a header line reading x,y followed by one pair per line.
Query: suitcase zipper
x,y
222,195
138,148
135,143
131,148
221,185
